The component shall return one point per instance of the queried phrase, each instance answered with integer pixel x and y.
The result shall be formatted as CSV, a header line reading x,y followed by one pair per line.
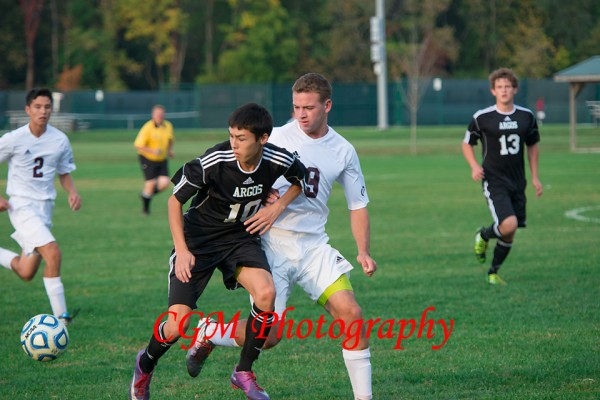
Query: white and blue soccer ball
x,y
44,337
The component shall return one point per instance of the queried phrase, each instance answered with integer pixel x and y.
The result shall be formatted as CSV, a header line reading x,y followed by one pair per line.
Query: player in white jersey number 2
x,y
35,153
297,245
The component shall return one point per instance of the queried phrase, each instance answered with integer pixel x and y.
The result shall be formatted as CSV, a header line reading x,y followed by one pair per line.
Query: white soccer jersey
x,y
34,161
327,159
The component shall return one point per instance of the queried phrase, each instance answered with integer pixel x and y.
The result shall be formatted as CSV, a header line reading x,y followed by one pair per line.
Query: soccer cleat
x,y
140,384
246,380
199,352
481,246
494,279
66,318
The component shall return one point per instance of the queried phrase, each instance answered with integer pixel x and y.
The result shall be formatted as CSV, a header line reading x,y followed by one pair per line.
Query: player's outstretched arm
x,y
361,230
469,154
66,181
533,155
185,260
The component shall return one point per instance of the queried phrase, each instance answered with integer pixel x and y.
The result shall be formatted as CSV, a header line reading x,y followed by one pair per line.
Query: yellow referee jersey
x,y
156,138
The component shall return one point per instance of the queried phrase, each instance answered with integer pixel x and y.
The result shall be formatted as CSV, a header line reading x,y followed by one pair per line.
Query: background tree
x,y
348,57
136,44
12,43
260,44
32,10
524,46
418,48
162,25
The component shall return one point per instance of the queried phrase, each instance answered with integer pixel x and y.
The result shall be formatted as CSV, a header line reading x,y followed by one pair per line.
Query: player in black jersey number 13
x,y
220,231
504,130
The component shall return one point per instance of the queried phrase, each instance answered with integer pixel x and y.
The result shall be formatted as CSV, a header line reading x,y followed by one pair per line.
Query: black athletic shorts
x,y
153,169
247,253
504,202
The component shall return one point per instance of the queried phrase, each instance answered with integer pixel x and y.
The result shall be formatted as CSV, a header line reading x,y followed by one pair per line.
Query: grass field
x,y
537,338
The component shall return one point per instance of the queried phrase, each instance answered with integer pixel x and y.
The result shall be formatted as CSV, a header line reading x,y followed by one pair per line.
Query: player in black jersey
x,y
227,186
503,129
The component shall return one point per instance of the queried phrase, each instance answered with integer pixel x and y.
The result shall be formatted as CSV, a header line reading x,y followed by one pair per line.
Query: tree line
x,y
152,44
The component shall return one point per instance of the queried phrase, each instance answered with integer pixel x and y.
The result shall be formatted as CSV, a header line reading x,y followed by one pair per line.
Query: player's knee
x,y
265,297
28,276
348,312
173,331
508,227
163,183
52,255
352,313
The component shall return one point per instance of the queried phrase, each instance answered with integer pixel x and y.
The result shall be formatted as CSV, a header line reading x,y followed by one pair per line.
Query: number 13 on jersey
x,y
510,144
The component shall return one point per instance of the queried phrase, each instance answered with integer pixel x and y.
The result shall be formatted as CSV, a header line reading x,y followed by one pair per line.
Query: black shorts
x,y
153,169
505,202
247,253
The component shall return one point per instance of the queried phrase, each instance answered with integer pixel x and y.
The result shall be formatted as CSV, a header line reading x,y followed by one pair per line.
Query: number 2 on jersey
x,y
514,140
39,163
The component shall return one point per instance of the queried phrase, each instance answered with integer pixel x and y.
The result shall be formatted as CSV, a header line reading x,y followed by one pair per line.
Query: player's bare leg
x,y
26,266
162,182
342,305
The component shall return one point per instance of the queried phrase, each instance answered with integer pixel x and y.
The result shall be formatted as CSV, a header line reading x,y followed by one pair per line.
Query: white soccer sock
x,y
220,338
6,256
56,295
358,364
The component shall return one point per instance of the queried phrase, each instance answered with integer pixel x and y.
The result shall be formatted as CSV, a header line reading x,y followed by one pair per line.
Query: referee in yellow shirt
x,y
154,144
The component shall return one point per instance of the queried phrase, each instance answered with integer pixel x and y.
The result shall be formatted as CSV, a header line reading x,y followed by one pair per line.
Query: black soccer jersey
x,y
224,195
503,136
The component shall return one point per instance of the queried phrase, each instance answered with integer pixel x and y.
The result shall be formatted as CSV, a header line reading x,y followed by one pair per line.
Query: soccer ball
x,y
44,337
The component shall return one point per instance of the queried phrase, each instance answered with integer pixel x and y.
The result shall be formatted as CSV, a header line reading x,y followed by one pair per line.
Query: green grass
x,y
537,338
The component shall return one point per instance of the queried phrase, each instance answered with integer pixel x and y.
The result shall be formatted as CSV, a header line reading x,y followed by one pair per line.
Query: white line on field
x,y
576,214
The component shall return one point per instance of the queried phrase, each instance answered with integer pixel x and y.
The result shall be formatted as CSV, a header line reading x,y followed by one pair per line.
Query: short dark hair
x,y
313,83
503,73
37,92
253,117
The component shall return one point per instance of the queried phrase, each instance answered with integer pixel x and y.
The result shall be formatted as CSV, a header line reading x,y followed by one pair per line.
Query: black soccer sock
x,y
491,232
154,351
500,253
253,344
146,201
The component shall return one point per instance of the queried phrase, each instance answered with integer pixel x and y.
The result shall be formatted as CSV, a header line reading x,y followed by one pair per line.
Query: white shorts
x,y
32,220
303,259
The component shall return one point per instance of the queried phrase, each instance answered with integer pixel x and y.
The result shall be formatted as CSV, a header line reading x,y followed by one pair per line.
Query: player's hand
x,y
477,173
184,262
271,198
74,201
368,265
539,189
262,221
4,204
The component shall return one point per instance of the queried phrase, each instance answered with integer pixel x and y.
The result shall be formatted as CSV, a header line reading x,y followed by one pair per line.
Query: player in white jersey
x,y
297,245
35,153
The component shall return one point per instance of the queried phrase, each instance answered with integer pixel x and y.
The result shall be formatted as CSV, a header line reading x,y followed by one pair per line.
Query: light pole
x,y
379,58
